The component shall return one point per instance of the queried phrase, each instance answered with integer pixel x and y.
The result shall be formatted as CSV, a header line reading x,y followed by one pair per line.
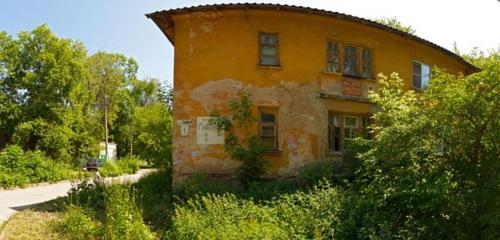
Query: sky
x,y
120,25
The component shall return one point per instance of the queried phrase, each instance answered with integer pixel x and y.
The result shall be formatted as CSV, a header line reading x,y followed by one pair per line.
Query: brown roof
x,y
163,19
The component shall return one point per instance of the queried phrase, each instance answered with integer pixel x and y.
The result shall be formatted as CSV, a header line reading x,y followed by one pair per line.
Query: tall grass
x,y
104,212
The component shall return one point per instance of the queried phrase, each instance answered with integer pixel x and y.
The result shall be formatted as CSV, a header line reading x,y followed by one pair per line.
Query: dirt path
x,y
15,200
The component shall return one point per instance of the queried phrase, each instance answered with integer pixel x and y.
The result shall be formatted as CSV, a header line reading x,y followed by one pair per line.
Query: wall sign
x,y
207,133
184,127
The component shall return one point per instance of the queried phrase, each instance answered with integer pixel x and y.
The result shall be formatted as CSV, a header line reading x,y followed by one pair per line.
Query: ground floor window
x,y
342,128
268,128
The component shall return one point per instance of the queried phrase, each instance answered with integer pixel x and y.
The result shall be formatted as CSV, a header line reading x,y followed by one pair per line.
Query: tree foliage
x,y
395,23
432,170
53,96
241,143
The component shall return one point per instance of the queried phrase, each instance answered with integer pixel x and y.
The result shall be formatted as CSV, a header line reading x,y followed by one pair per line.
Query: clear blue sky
x,y
120,25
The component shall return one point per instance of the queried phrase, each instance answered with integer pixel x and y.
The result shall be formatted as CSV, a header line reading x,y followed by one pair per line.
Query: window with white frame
x,y
350,126
421,75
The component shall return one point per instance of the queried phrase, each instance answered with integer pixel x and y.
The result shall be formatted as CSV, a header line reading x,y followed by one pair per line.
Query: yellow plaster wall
x,y
216,57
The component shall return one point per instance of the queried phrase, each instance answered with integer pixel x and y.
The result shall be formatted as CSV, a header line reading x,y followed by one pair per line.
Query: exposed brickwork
x,y
351,87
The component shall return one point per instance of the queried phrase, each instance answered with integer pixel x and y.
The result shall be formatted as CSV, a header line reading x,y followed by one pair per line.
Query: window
x,y
268,128
421,74
268,49
366,63
350,61
343,128
350,126
333,57
334,132
367,134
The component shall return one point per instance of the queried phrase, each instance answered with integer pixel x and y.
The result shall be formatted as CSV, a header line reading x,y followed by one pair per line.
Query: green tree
x,y
41,79
110,74
153,128
395,23
433,170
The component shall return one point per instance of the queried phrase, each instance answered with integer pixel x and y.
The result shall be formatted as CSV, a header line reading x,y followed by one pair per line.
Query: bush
x,y
121,166
76,224
19,168
123,219
129,165
315,172
315,214
112,208
155,198
110,169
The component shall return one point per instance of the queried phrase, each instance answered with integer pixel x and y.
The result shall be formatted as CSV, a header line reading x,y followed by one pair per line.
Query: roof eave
x,y
163,19
165,23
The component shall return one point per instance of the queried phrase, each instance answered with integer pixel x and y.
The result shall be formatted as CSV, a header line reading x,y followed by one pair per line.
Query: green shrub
x,y
129,165
315,172
200,184
155,198
123,219
110,169
19,168
121,166
225,217
114,207
302,215
76,224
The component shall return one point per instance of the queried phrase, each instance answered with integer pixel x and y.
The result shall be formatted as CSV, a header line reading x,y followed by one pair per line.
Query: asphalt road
x,y
12,201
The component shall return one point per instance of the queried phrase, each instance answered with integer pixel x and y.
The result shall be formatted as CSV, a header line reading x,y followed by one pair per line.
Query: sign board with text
x,y
207,132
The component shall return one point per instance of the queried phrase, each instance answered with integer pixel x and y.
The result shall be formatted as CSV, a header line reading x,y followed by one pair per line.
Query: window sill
x,y
335,153
275,67
416,89
333,73
348,76
273,153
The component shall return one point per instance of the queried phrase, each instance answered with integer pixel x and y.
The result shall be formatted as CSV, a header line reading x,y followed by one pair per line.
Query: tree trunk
x,y
106,131
130,140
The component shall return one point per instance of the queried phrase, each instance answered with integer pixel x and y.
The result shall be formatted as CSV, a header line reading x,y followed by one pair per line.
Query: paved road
x,y
14,200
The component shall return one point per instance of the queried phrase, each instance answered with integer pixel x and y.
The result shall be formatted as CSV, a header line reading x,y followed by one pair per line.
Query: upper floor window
x,y
333,57
421,74
366,63
268,49
350,61
269,128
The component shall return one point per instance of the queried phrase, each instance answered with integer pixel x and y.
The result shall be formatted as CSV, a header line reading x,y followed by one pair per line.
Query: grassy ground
x,y
30,224
160,207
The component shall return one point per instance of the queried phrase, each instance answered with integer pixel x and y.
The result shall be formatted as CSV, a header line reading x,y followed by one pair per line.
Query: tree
x,y
240,142
110,74
41,79
432,170
395,23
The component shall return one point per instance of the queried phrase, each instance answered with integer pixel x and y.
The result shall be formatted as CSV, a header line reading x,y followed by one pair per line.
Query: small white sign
x,y
207,133
184,127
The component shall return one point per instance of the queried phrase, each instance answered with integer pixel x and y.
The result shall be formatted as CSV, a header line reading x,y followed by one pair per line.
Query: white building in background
x,y
111,151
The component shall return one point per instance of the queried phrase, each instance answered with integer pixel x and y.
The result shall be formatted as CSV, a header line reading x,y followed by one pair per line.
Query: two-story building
x,y
308,72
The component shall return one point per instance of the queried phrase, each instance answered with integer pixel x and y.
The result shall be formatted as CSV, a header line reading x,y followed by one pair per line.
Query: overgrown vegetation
x,y
128,165
430,172
241,142
20,168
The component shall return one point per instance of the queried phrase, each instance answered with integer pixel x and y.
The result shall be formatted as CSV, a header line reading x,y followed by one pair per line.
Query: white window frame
x,y
424,76
351,129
